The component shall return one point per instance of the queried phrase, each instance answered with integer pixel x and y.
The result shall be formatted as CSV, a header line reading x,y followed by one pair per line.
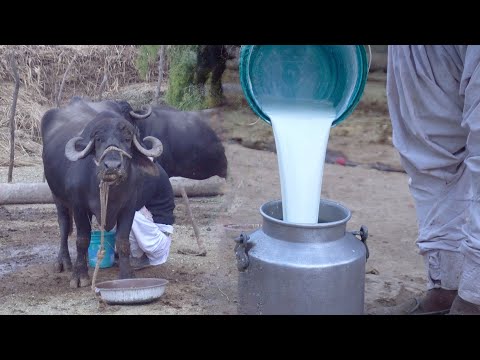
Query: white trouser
x,y
147,237
433,98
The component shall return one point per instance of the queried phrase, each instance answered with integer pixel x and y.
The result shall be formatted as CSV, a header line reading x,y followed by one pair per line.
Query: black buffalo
x,y
191,148
83,145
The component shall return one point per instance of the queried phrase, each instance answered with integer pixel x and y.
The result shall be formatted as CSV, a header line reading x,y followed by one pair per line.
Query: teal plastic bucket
x,y
108,245
333,73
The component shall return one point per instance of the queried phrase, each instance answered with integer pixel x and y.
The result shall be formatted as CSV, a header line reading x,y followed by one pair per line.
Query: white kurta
x,y
433,97
149,238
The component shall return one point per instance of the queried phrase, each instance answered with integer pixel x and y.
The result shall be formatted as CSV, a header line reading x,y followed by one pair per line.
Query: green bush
x,y
146,61
181,92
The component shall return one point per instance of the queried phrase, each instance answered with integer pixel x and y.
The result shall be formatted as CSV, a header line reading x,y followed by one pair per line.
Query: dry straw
x,y
27,151
41,69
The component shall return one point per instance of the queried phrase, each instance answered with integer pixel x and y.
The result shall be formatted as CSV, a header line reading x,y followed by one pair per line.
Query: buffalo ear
x,y
82,143
145,164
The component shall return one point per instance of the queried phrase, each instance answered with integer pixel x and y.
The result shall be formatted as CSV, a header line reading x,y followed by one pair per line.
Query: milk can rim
x,y
310,226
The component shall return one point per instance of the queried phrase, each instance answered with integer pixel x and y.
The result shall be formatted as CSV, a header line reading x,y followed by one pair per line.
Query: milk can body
x,y
295,269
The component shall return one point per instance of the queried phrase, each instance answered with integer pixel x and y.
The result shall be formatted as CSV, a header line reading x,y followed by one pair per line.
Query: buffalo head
x,y
113,142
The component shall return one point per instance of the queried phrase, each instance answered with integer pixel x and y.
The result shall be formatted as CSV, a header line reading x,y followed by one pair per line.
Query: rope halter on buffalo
x,y
112,148
104,189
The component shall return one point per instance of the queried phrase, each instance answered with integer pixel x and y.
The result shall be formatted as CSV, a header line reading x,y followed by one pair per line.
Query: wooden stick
x,y
200,243
13,109
104,189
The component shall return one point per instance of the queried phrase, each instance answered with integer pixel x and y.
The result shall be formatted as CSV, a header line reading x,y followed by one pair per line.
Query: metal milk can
x,y
287,268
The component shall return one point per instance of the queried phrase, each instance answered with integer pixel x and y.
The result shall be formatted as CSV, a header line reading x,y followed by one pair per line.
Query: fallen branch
x,y
209,187
39,193
25,193
13,109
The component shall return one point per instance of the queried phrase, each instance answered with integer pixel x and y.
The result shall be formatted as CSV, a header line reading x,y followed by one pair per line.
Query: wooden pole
x,y
13,109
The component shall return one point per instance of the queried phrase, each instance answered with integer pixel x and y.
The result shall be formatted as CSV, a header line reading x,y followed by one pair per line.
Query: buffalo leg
x,y
216,90
122,243
80,276
201,76
64,262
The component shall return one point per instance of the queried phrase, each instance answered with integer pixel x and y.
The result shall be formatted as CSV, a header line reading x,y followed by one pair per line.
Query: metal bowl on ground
x,y
131,291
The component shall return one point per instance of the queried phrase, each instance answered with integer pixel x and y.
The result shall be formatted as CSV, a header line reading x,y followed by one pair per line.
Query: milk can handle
x,y
363,233
241,251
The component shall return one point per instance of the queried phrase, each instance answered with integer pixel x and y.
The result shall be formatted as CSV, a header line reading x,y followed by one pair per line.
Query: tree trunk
x,y
39,193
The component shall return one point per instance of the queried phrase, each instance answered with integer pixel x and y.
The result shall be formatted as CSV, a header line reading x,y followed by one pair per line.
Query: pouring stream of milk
x,y
301,129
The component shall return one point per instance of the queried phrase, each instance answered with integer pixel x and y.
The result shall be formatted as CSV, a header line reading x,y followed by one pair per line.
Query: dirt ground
x,y
207,285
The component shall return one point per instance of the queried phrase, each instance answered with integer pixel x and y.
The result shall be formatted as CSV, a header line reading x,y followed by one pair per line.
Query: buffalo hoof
x,y
80,282
62,265
126,270
127,275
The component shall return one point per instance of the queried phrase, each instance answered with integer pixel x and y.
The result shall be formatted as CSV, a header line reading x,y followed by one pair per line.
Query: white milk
x,y
301,130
